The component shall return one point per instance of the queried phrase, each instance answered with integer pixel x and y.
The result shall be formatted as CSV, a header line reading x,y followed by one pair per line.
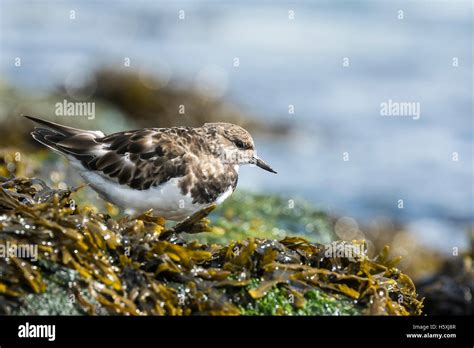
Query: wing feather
x,y
138,159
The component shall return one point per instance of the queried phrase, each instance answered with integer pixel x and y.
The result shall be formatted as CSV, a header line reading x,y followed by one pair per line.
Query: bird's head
x,y
237,145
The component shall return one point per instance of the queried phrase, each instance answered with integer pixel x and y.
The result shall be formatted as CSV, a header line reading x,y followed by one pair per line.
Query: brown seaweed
x,y
135,266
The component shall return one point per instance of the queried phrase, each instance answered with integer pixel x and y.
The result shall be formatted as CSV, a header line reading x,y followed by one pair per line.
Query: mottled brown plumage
x,y
205,159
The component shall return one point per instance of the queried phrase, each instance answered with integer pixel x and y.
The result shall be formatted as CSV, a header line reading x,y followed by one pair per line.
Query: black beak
x,y
259,162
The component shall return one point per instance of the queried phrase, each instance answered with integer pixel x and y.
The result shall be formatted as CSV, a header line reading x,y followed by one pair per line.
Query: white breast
x,y
166,200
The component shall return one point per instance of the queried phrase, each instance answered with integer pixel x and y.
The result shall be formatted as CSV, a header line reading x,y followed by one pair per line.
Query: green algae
x,y
280,301
266,216
58,297
138,266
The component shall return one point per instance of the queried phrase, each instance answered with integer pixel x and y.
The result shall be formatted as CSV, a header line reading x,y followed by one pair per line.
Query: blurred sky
x,y
299,62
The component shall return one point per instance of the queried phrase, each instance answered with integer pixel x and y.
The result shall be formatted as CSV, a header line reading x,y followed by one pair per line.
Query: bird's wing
x,y
139,158
142,158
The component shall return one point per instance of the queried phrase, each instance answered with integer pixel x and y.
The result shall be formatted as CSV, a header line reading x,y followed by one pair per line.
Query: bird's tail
x,y
62,139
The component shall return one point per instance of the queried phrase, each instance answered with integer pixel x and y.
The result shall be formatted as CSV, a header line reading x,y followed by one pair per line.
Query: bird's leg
x,y
149,217
195,223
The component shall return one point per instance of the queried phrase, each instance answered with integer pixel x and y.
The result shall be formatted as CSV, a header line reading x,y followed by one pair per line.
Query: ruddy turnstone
x,y
174,171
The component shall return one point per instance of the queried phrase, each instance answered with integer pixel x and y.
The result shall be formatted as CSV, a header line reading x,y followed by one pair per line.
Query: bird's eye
x,y
239,144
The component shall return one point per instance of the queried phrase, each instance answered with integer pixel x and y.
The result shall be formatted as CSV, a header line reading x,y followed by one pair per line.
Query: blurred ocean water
x,y
299,62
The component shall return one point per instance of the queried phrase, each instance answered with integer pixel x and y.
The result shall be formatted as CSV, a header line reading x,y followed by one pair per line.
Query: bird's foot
x,y
195,223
